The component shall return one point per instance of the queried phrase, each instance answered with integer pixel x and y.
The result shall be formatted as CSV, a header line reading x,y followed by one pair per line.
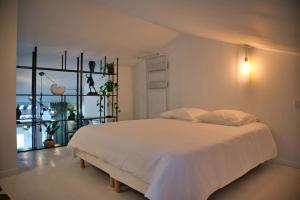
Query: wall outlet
x,y
297,104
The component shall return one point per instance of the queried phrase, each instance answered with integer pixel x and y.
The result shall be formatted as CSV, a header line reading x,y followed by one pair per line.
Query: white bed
x,y
174,159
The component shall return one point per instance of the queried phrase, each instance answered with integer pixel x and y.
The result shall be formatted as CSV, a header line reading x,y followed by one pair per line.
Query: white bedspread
x,y
179,160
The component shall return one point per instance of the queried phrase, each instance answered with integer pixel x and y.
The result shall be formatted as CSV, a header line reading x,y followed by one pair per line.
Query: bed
x,y
173,159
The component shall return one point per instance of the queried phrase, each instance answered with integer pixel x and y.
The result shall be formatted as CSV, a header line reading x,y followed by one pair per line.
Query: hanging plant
x,y
105,91
109,86
117,108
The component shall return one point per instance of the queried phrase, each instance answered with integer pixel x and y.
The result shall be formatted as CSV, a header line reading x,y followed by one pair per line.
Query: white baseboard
x,y
8,172
286,162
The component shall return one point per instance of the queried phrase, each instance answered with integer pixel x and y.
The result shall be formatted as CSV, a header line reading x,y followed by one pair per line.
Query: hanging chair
x,y
57,90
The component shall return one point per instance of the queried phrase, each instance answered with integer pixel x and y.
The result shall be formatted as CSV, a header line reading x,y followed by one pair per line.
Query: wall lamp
x,y
246,67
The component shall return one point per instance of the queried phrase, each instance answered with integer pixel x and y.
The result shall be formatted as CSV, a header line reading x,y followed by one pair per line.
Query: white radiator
x,y
157,85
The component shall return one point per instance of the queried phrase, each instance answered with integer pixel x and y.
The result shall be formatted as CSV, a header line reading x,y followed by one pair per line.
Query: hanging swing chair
x,y
54,87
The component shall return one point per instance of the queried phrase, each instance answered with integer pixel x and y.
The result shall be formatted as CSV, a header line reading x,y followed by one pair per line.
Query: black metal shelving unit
x,y
103,99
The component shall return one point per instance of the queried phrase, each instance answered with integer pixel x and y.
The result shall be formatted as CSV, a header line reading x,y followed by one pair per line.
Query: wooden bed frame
x,y
112,182
117,177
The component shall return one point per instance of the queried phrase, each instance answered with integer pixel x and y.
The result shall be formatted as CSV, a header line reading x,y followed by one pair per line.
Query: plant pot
x,y
110,68
49,143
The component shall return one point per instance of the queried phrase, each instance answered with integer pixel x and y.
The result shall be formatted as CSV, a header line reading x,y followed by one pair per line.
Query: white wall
x,y
205,73
126,93
139,90
8,39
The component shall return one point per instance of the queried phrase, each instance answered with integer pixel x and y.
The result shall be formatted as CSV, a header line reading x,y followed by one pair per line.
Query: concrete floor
x,y
53,174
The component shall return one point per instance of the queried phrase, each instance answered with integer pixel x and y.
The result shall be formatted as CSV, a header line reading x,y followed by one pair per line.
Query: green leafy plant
x,y
109,86
117,107
71,110
51,129
100,105
105,91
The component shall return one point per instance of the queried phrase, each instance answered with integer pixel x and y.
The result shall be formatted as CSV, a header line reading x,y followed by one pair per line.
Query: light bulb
x,y
246,67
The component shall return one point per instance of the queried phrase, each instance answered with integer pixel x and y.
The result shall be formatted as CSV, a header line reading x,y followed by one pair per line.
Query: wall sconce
x,y
245,68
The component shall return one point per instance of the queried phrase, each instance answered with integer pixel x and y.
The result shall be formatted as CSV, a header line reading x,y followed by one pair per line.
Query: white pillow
x,y
227,117
189,114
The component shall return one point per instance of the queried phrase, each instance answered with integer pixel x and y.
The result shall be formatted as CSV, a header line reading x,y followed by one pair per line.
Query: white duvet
x,y
179,160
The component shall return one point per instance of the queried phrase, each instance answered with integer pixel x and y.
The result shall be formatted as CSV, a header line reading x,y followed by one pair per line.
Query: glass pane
x,y
23,81
24,136
45,81
23,109
58,136
71,124
49,110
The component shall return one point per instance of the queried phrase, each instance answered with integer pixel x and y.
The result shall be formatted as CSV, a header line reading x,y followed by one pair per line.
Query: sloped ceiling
x,y
267,24
85,25
130,28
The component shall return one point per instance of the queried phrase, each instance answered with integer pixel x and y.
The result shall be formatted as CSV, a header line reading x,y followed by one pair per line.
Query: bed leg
x,y
117,186
82,164
111,182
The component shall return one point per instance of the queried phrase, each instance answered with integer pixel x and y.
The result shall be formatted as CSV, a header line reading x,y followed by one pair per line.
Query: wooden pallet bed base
x,y
114,183
111,182
117,186
82,163
117,177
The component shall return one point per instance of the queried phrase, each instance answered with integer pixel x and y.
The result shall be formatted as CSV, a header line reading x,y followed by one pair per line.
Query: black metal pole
x,y
100,101
100,97
100,70
62,62
56,69
104,107
112,96
65,122
81,68
77,95
33,92
117,92
61,122
65,59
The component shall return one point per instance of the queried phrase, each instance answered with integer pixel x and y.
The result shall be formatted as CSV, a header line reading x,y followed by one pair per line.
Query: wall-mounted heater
x,y
156,84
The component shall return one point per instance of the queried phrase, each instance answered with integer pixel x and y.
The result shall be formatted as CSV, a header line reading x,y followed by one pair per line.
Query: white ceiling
x,y
266,24
130,28
84,25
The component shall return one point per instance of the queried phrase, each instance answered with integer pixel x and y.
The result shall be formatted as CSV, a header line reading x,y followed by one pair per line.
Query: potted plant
x,y
71,110
110,68
51,129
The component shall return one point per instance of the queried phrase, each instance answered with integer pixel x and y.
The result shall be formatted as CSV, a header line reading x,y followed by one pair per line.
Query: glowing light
x,y
246,68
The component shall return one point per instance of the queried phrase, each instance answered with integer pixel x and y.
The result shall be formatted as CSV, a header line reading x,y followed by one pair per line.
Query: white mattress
x,y
178,159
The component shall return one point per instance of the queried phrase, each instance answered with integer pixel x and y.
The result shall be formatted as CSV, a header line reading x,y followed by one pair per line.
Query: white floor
x,y
53,174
